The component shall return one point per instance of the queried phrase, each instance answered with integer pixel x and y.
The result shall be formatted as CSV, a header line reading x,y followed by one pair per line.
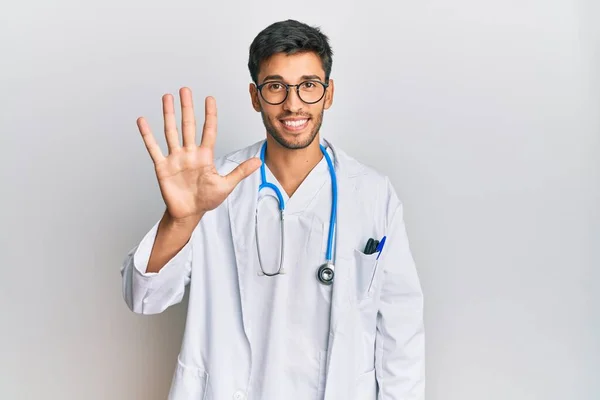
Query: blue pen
x,y
380,247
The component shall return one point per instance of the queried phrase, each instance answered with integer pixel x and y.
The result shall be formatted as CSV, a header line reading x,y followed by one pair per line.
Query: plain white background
x,y
485,114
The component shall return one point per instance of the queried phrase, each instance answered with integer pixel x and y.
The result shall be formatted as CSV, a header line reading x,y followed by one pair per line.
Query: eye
x,y
308,86
275,87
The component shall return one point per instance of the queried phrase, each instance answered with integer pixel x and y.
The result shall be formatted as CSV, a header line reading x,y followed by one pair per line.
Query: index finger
x,y
209,130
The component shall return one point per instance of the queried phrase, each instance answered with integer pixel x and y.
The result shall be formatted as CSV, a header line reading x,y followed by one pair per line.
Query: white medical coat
x,y
376,339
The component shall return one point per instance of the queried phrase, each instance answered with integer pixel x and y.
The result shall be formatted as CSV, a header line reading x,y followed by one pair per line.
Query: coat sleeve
x,y
400,338
152,293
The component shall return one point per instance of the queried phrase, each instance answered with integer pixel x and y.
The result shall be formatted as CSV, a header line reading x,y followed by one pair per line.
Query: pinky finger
x,y
151,145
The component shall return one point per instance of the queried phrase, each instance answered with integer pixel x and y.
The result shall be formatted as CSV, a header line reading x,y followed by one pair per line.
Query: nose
x,y
293,103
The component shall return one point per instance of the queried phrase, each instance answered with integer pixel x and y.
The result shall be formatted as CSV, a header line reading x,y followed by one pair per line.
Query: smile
x,y
295,125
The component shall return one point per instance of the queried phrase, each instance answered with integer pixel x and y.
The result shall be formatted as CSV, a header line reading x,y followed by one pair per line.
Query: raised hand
x,y
189,182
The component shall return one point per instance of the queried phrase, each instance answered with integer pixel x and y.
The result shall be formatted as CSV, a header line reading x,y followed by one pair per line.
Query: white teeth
x,y
295,123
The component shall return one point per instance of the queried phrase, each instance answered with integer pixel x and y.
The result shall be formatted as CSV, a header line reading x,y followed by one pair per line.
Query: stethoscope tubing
x,y
332,219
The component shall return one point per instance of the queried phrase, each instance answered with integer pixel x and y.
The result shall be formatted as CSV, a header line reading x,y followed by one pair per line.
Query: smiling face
x,y
294,123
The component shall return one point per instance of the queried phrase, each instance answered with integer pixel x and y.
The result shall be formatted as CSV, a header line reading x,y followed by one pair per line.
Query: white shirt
x,y
288,333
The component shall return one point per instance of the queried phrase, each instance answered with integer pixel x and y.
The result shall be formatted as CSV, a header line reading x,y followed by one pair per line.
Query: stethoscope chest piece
x,y
325,273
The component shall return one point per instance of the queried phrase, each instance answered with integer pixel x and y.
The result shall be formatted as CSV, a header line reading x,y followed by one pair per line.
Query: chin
x,y
296,140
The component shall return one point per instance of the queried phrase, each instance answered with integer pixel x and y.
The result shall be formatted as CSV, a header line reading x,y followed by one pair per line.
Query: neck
x,y
291,166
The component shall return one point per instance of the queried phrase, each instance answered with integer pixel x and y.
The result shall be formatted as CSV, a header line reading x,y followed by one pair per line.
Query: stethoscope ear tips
x,y
325,274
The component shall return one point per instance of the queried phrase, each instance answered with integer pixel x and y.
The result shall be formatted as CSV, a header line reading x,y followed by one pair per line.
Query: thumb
x,y
242,171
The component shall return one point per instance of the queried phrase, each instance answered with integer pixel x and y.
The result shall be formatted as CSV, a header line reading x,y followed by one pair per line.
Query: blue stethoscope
x,y
325,272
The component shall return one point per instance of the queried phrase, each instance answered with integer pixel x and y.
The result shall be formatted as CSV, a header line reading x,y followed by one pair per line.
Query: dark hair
x,y
289,37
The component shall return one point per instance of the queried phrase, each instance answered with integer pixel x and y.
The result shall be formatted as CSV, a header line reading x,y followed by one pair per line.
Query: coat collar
x,y
242,202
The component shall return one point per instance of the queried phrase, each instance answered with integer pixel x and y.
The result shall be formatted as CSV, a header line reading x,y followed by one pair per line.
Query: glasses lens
x,y
273,92
311,92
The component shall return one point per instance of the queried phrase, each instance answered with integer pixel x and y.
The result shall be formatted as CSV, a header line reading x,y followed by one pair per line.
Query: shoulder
x,y
372,187
367,179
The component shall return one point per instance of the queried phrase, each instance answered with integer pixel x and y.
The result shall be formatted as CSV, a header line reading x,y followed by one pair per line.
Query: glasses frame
x,y
297,86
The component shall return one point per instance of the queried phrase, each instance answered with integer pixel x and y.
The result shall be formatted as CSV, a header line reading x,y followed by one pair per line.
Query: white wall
x,y
484,113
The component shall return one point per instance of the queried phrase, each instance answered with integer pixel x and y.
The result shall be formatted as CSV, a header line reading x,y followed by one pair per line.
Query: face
x,y
294,124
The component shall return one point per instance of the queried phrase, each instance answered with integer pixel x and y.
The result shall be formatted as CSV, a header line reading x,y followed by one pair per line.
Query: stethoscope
x,y
325,273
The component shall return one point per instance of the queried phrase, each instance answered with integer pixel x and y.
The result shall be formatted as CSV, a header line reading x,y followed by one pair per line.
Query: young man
x,y
301,280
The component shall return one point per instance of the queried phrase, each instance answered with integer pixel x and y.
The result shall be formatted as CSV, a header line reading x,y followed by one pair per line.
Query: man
x,y
318,301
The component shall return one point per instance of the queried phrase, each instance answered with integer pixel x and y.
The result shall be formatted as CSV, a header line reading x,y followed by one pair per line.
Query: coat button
x,y
239,395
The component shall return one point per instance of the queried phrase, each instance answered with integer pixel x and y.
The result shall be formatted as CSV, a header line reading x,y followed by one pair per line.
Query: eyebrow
x,y
303,77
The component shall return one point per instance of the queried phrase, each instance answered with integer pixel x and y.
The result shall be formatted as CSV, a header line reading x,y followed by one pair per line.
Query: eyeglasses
x,y
275,92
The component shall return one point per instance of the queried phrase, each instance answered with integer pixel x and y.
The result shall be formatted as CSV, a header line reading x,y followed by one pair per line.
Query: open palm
x,y
189,182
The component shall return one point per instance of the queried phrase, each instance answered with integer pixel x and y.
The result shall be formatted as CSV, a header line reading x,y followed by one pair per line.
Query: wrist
x,y
186,223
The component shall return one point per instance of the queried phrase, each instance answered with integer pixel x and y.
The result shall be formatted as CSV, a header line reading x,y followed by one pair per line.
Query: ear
x,y
329,95
254,97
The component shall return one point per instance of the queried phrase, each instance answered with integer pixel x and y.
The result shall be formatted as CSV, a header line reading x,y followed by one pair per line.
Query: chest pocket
x,y
365,268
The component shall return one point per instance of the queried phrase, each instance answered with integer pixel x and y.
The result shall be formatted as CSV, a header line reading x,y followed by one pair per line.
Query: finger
x,y
209,131
170,124
242,171
149,141
188,121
